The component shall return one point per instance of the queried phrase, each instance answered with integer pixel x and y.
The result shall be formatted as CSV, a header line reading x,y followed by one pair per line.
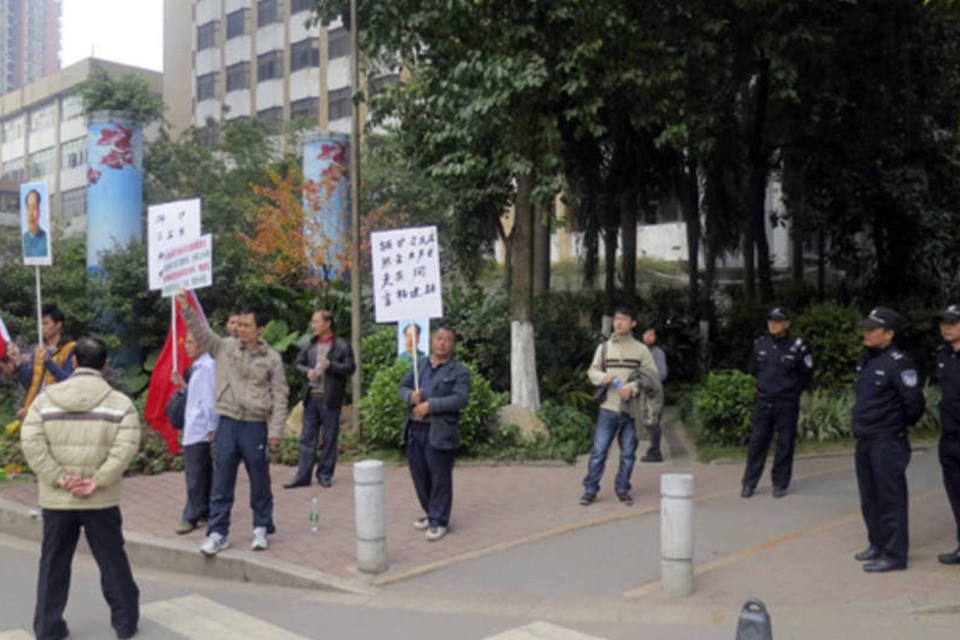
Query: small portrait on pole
x,y
413,337
35,224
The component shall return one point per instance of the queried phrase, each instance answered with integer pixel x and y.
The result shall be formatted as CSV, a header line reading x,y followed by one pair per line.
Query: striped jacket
x,y
80,426
624,355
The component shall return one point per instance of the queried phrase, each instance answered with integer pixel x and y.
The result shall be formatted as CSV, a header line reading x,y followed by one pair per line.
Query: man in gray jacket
x,y
251,393
79,436
431,432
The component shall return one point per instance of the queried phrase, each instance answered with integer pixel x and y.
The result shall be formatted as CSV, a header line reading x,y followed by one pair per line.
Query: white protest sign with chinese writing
x,y
189,266
406,274
169,225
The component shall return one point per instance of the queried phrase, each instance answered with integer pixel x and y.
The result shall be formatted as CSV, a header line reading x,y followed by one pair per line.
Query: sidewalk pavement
x,y
501,507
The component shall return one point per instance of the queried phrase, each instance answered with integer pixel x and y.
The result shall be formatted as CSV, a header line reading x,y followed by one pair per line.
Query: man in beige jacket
x,y
251,400
79,436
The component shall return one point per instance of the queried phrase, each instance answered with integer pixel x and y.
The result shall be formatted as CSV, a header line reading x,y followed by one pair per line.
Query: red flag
x,y
4,339
161,387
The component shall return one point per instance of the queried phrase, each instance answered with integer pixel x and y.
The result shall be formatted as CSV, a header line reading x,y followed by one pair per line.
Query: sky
x,y
127,31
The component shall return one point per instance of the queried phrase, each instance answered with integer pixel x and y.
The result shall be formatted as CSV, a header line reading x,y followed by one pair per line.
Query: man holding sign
x,y
431,433
251,393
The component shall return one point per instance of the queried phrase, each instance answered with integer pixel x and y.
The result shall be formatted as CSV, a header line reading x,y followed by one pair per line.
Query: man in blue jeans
x,y
251,399
612,365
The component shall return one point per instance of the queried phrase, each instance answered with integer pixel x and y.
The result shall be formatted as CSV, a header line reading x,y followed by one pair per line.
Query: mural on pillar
x,y
326,203
114,186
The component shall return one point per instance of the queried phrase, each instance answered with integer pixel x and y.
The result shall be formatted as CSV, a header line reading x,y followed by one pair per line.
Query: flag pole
x,y
173,328
355,269
39,308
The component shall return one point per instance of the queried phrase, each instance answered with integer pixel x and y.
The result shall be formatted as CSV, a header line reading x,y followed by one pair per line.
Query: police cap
x,y
778,313
951,314
881,317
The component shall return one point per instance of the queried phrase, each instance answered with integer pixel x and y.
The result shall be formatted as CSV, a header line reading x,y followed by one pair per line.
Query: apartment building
x,y
227,59
29,41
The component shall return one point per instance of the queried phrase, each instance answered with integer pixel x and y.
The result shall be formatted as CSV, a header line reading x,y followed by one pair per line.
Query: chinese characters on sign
x,y
189,266
406,274
169,225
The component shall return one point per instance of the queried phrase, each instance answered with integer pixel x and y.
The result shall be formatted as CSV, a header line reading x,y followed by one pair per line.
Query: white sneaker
x,y
214,544
435,533
259,539
421,524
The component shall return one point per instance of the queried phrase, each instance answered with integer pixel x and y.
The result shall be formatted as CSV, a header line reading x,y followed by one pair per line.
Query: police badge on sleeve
x,y
909,377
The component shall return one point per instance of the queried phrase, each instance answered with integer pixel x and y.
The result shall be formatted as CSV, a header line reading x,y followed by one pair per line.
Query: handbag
x,y
176,409
600,391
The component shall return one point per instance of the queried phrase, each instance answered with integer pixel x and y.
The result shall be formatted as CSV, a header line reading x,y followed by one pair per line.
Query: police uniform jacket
x,y
948,376
783,367
889,396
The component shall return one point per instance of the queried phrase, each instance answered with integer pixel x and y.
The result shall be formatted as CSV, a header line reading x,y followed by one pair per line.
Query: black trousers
x,y
61,531
949,450
769,418
198,469
319,423
432,473
881,466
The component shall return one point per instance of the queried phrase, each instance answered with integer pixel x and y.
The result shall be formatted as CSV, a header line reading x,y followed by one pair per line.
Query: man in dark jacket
x,y
889,400
326,363
948,377
431,432
783,366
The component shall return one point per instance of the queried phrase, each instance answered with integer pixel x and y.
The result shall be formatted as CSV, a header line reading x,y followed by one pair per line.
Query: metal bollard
x,y
676,534
754,623
370,516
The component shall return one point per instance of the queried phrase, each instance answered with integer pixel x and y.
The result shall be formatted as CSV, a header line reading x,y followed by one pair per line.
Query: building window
x,y
72,107
238,76
267,12
207,136
42,117
271,119
41,163
338,103
206,86
73,154
207,35
13,129
73,203
338,43
236,23
304,54
306,108
270,65
14,171
296,6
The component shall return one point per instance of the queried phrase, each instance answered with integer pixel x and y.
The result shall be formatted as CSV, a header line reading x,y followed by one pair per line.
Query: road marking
x,y
542,631
200,618
16,634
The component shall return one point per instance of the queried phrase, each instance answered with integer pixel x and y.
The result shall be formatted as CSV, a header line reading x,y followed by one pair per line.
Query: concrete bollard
x,y
676,534
370,509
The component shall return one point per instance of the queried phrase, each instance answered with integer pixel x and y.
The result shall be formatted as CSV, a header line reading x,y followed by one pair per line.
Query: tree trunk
x,y
749,275
541,249
690,204
758,181
628,231
821,265
796,261
610,267
524,390
507,256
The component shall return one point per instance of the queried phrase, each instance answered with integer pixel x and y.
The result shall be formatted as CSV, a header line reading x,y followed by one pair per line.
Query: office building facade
x,y
29,41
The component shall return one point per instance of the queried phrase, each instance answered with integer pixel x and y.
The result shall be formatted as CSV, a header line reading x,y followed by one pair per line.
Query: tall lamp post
x,y
355,212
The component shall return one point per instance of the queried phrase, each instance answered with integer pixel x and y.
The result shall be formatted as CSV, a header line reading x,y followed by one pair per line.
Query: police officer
x,y
948,376
889,399
783,367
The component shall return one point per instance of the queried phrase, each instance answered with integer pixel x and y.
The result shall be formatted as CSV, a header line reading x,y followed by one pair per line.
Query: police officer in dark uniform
x,y
783,367
889,399
948,376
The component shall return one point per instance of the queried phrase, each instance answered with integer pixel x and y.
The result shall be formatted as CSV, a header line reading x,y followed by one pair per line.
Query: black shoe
x,y
123,635
293,484
625,497
588,498
326,483
779,492
950,558
884,564
747,491
652,457
870,553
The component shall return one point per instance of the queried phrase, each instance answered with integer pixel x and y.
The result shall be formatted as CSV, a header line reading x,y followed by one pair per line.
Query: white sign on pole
x,y
189,266
406,274
169,225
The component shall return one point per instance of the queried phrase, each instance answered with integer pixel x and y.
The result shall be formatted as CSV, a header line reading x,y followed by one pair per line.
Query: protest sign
x,y
189,266
406,274
169,225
